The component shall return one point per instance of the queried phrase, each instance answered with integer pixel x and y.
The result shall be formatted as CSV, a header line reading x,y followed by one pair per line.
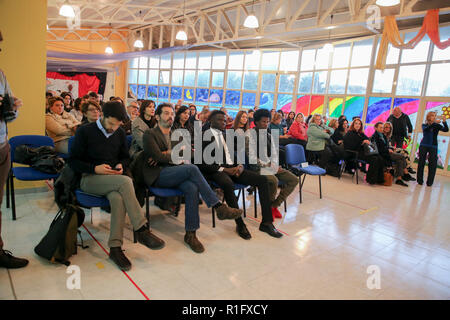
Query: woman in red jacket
x,y
297,131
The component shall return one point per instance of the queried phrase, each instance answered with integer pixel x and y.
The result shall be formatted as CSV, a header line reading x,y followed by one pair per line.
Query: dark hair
x,y
48,94
341,124
144,105
160,108
292,112
261,113
281,112
214,113
52,100
342,116
250,110
114,109
77,103
86,96
356,117
308,118
378,123
352,126
237,121
179,112
85,106
93,94
65,94
111,98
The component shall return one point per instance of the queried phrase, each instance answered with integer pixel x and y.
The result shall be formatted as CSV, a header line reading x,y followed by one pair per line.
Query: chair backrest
x,y
129,140
70,144
33,141
295,154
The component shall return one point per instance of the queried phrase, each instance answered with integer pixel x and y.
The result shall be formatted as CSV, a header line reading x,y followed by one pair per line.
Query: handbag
x,y
370,149
388,178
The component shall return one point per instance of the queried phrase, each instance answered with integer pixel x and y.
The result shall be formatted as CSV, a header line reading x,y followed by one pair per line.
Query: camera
x,y
7,112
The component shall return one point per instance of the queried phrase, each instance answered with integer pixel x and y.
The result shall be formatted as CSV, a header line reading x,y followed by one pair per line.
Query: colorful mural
x,y
176,93
284,100
201,96
354,107
216,98
152,92
248,100
378,109
266,100
189,95
335,107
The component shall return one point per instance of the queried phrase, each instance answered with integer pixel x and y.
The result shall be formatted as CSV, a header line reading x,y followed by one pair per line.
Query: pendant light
x,y
251,21
387,3
181,35
138,43
108,49
66,10
328,47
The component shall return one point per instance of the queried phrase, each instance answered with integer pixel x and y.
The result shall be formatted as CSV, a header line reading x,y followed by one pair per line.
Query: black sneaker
x,y
117,256
408,177
149,240
7,260
411,170
401,183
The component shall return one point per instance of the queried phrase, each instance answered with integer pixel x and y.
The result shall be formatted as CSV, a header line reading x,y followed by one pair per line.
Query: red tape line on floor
x,y
346,203
126,274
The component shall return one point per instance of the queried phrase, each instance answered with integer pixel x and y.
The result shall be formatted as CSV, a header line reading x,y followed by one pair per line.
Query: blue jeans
x,y
190,181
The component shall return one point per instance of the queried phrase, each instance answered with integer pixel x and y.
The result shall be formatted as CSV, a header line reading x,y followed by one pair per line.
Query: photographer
x,y
8,112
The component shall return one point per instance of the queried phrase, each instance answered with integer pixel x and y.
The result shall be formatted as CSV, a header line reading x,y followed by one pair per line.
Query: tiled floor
x,y
325,253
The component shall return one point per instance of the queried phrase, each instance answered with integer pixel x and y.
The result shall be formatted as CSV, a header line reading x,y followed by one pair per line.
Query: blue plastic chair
x,y
160,192
358,163
25,173
129,140
237,186
295,156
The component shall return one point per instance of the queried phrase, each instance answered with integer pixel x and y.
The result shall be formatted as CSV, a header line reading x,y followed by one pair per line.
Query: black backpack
x,y
60,242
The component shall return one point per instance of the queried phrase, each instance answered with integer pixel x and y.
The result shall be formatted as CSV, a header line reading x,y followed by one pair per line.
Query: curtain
x,y
86,81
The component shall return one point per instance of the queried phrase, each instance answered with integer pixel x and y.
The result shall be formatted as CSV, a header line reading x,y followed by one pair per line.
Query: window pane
x,y
317,103
165,61
341,55
248,99
143,63
357,81
152,92
284,101
153,77
335,107
410,80
378,109
142,77
189,78
305,82
141,92
320,80
289,60
338,79
383,81
232,98
354,107
204,60
203,79
234,80
322,59
362,52
439,54
439,83
163,92
219,60
154,62
266,100
132,76
217,79
308,57
286,83
268,82
252,59
216,98
178,60
164,77
201,96
392,55
134,63
132,91
176,93
191,60
419,53
250,80
189,95
177,77
236,61
270,60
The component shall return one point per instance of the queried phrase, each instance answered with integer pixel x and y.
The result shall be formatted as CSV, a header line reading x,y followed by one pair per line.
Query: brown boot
x,y
191,239
225,212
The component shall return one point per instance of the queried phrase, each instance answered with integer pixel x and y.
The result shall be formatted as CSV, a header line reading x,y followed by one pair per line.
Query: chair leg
x,y
13,199
213,213
357,178
301,181
320,186
8,199
255,193
285,210
243,201
91,215
147,206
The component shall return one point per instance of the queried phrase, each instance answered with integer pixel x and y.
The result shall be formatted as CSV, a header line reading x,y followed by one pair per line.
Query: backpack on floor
x,y
60,242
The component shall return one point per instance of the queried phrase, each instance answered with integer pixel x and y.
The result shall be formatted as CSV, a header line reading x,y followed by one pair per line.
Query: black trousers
x,y
375,174
397,140
432,163
247,177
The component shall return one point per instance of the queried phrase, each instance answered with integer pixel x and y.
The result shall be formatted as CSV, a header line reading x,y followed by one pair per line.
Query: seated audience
x,y
298,130
92,96
193,116
333,124
339,133
76,110
154,165
182,121
227,172
429,146
68,101
387,130
318,134
290,119
288,179
91,112
283,120
59,124
250,114
100,153
145,121
228,118
354,141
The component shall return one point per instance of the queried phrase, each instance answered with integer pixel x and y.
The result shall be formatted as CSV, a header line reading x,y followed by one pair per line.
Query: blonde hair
x,y
333,123
316,115
390,126
275,117
428,117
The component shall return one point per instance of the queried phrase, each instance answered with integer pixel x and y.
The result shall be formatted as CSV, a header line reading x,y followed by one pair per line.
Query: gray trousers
x,y
399,163
290,181
120,192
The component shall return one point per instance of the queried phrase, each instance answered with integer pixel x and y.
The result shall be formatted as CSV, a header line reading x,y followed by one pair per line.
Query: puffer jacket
x,y
317,137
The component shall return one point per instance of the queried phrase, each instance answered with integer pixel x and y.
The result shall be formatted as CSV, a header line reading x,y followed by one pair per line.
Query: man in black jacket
x,y
401,127
99,152
225,173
